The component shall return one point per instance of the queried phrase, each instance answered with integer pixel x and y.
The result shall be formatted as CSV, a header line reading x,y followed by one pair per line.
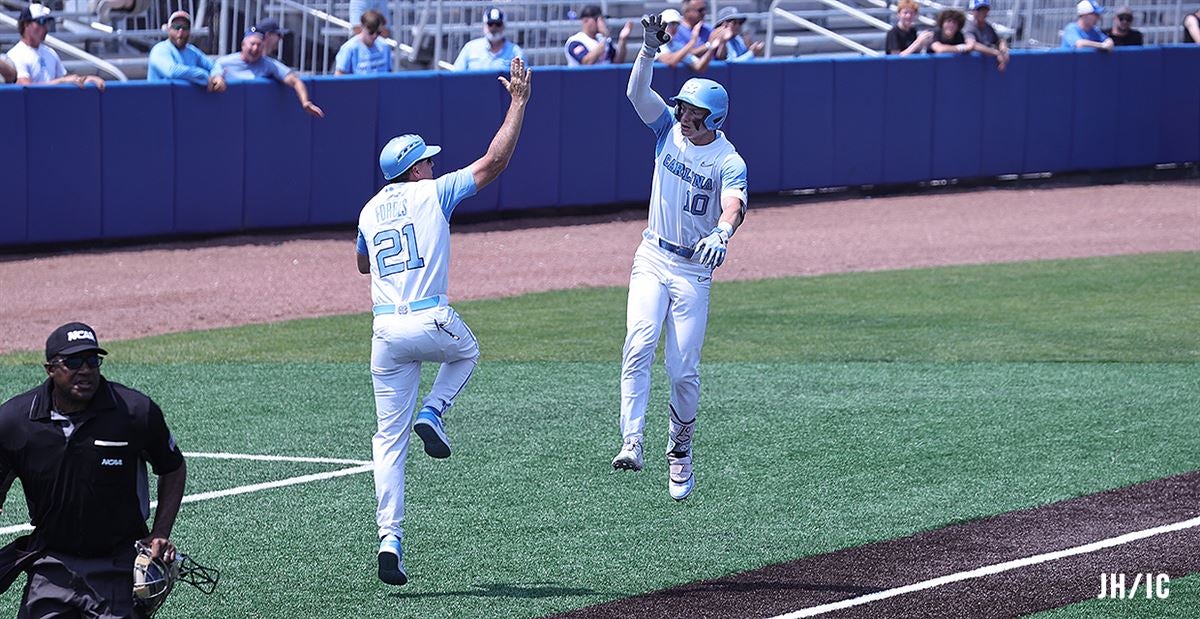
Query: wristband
x,y
727,228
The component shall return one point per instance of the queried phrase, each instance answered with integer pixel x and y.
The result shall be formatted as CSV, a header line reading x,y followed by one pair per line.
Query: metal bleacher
x,y
111,39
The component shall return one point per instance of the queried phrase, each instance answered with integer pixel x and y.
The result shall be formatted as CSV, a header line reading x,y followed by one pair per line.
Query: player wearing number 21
x,y
697,201
404,243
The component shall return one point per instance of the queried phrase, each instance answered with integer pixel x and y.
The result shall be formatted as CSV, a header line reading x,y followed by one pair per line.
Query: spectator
x,y
1122,32
593,43
903,38
679,49
272,35
493,51
693,22
36,63
949,38
733,45
982,37
1083,33
176,59
250,63
360,54
359,7
1191,28
8,73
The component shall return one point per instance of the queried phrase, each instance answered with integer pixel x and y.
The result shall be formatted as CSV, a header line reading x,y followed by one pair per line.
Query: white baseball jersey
x,y
689,182
405,231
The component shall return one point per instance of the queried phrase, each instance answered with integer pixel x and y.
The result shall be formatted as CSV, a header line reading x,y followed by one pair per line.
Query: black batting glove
x,y
655,34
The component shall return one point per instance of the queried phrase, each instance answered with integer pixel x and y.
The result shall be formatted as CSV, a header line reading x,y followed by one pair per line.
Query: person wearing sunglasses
x,y
36,63
734,45
177,59
79,444
362,54
1122,32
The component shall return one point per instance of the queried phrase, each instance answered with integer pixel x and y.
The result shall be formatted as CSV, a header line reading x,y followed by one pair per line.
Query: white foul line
x,y
362,467
991,569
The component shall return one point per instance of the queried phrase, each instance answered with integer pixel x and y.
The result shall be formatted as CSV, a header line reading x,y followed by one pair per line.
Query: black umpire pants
x,y
63,586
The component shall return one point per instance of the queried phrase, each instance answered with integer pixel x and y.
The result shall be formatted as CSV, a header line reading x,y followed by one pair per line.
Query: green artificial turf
x,y
806,443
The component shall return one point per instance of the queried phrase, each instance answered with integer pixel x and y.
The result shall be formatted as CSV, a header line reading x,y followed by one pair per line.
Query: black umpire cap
x,y
72,338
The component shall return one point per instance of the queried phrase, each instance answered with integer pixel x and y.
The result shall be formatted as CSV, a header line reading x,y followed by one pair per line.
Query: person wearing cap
x,y
732,44
272,35
593,43
982,36
404,245
250,63
361,54
1123,33
79,444
692,25
176,59
904,39
948,38
491,52
681,50
36,63
1083,33
1191,28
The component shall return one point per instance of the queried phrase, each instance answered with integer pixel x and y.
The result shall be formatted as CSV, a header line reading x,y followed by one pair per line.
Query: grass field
x,y
836,411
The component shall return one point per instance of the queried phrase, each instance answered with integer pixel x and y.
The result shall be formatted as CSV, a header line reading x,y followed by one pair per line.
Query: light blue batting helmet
x,y
706,94
402,152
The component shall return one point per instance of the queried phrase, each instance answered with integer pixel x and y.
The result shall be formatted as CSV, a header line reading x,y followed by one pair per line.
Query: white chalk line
x,y
360,467
992,569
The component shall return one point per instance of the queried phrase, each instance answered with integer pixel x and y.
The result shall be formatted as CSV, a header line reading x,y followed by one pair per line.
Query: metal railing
x,y
808,25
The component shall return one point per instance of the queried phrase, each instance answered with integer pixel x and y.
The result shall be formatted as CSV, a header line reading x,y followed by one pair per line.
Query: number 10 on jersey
x,y
389,245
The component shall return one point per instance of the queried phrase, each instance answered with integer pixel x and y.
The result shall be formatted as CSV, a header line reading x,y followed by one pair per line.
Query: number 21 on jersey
x,y
388,244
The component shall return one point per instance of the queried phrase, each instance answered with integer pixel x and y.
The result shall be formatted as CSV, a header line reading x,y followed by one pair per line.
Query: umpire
x,y
79,445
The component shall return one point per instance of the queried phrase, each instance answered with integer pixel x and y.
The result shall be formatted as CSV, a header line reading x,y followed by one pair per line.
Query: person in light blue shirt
x,y
732,44
1084,33
176,59
492,51
250,63
363,53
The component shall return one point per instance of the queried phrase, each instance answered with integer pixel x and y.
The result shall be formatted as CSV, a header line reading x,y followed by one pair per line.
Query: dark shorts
x,y
62,586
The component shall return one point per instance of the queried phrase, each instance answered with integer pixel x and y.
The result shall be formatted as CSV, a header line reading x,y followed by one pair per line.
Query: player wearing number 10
x,y
697,201
404,243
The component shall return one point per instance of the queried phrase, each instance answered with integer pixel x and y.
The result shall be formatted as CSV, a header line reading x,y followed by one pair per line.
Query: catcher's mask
x,y
153,579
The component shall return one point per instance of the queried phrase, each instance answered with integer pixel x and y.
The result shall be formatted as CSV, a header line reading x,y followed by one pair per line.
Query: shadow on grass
x,y
518,590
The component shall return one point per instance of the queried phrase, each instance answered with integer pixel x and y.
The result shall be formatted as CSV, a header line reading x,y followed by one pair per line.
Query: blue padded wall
x,y
1048,125
278,158
138,151
858,115
411,103
14,171
1005,96
957,134
210,148
1179,105
1139,72
345,161
755,125
807,130
908,111
529,180
473,105
590,102
1094,117
64,188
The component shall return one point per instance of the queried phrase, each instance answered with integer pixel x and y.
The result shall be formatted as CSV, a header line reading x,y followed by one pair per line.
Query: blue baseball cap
x,y
1088,7
978,4
401,152
493,16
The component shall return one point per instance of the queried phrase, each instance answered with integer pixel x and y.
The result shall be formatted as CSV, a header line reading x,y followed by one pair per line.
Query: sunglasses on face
x,y
1125,17
181,27
74,363
43,21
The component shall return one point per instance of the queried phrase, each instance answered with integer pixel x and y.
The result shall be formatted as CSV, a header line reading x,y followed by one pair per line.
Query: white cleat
x,y
630,456
680,479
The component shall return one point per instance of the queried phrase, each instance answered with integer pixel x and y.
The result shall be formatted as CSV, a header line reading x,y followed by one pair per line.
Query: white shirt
x,y
580,45
40,65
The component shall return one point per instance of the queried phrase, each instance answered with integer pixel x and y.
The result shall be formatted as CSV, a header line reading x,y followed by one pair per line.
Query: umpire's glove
x,y
655,35
710,250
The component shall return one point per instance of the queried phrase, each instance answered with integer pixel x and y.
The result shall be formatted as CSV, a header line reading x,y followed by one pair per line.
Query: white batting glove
x,y
710,250
655,34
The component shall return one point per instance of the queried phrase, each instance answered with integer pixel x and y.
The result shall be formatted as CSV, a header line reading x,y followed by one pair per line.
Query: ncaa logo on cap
x,y
80,335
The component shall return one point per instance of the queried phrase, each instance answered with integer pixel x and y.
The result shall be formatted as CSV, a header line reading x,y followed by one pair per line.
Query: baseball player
x,y
404,243
697,202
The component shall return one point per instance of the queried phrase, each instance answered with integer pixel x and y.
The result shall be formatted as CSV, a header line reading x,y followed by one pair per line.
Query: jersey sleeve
x,y
361,245
733,179
1070,36
161,451
343,61
278,70
577,50
453,188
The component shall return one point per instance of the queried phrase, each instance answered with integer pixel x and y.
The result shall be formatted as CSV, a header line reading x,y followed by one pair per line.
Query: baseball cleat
x,y
630,456
429,427
680,479
391,561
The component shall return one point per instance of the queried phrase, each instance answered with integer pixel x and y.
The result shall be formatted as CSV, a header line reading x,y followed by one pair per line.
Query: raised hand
x,y
655,35
519,80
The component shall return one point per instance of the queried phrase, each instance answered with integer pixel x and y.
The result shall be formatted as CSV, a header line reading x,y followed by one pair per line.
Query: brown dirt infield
x,y
154,289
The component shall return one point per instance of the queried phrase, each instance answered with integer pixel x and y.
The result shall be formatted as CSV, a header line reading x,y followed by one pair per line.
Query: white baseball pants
x,y
670,288
399,344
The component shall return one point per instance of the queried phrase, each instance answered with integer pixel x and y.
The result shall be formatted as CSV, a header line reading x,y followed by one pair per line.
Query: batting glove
x,y
655,34
710,250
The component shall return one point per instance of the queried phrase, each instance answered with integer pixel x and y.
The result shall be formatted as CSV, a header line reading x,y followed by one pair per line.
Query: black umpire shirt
x,y
82,491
